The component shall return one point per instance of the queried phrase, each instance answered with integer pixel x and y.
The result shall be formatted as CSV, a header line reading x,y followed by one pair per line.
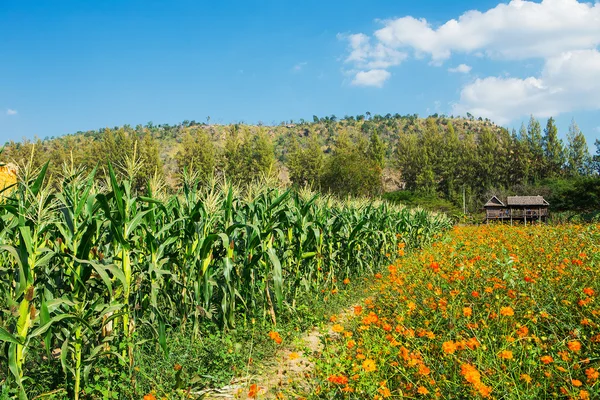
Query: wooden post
x,y
510,216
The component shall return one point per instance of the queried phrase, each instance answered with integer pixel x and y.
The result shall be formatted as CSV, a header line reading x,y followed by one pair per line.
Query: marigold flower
x,y
546,359
337,328
576,382
369,365
506,354
275,337
467,311
293,356
253,390
523,331
422,390
584,395
149,396
357,310
507,311
338,379
350,344
475,293
449,347
592,374
434,266
526,378
384,391
588,291
346,281
574,345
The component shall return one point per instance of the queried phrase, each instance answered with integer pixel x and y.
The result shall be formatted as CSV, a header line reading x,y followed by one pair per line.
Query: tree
x,y
553,151
305,164
536,148
197,153
596,158
350,171
578,156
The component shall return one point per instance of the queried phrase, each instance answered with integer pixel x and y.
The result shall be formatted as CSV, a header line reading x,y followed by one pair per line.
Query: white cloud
x,y
568,82
374,77
462,68
10,111
517,30
298,67
564,34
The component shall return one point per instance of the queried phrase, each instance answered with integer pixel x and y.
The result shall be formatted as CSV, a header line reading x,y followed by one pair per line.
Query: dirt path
x,y
286,374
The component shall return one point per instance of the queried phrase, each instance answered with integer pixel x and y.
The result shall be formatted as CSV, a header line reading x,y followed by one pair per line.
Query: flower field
x,y
487,312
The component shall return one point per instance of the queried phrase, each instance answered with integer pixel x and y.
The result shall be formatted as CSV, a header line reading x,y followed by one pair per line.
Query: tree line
x,y
438,156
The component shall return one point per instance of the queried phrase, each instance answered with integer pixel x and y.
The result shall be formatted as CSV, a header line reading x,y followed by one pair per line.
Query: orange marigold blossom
x,y
149,396
467,311
275,337
253,390
546,359
584,395
293,356
574,345
588,291
526,378
337,328
422,390
506,354
338,379
346,281
592,374
369,365
357,310
449,347
350,344
576,382
507,311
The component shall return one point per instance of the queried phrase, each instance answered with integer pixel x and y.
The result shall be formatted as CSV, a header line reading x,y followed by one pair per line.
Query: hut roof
x,y
494,202
527,201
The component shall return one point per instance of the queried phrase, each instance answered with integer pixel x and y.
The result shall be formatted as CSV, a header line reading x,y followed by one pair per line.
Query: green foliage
x,y
95,272
350,170
197,153
306,164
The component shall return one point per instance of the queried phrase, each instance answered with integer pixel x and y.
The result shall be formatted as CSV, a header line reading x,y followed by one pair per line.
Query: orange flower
x,y
523,331
526,378
337,328
294,356
350,344
357,310
384,391
449,347
475,293
346,281
275,336
253,390
592,374
576,382
507,311
467,311
369,365
177,367
435,266
149,396
574,345
338,379
584,395
506,355
546,359
588,291
422,390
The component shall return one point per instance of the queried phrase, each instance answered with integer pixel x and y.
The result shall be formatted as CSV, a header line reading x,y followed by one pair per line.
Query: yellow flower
x,y
337,328
369,365
506,354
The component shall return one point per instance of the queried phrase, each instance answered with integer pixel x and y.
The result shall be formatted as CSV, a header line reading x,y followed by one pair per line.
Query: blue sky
x,y
77,65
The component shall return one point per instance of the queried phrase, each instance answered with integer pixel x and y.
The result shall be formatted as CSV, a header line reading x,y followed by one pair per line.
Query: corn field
x,y
86,264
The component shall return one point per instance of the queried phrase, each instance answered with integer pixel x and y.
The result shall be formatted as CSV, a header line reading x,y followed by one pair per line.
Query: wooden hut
x,y
519,208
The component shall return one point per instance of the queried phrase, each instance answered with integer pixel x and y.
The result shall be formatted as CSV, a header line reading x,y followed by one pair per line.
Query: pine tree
x,y
553,151
578,155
